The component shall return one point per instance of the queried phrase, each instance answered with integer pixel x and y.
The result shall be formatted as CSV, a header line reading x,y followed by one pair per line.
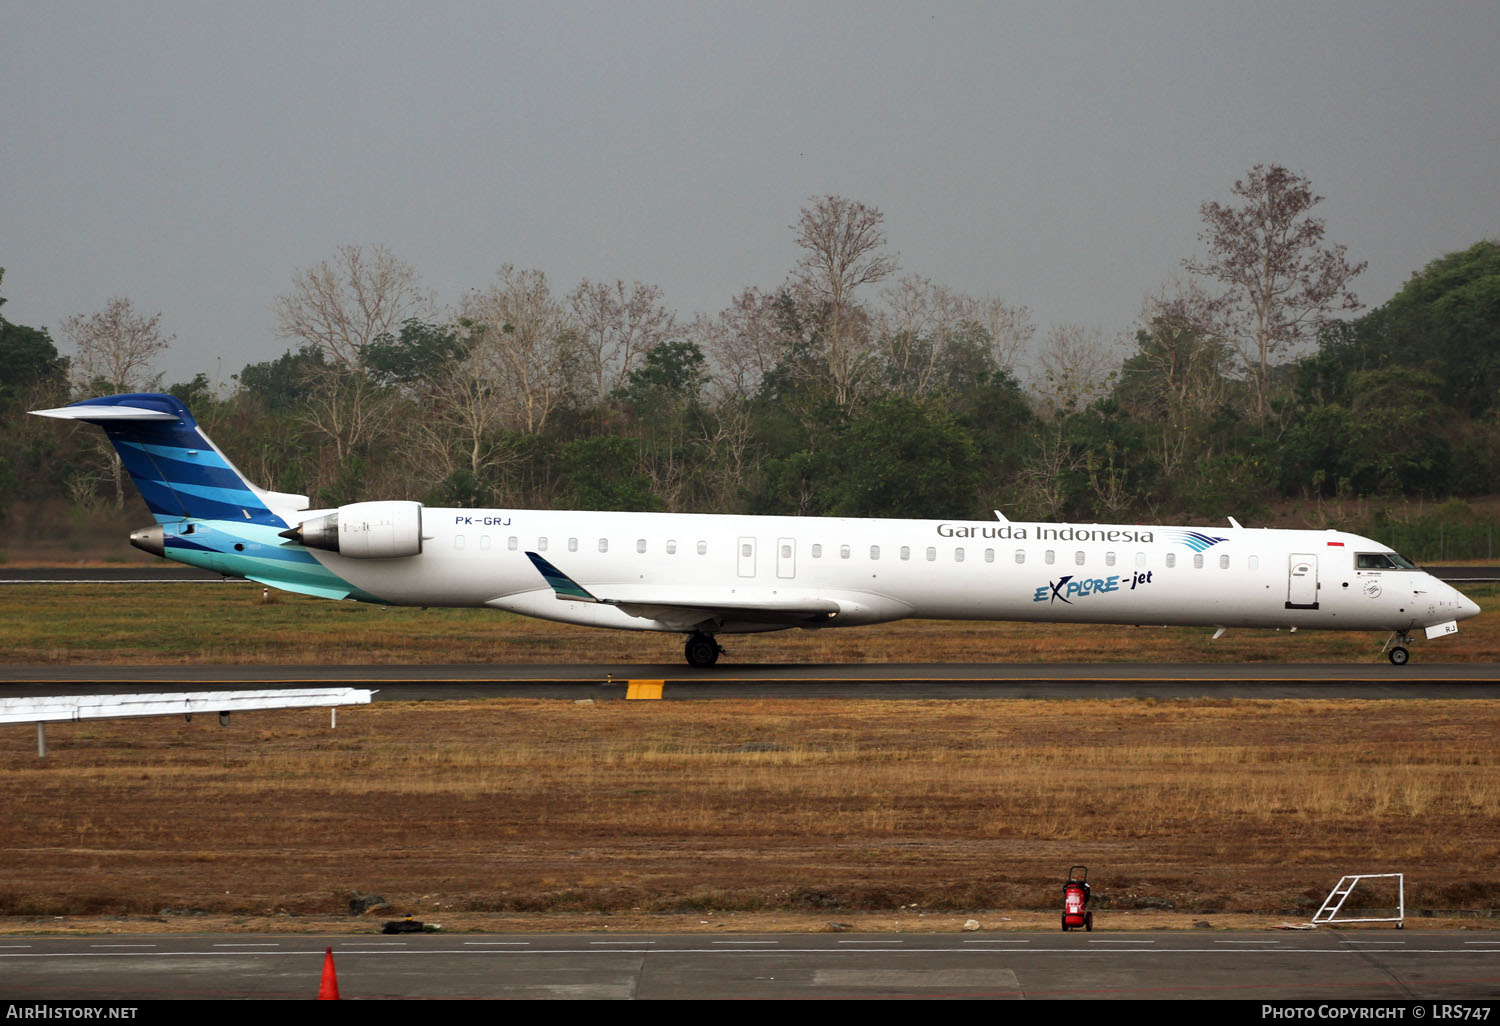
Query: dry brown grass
x,y
212,623
536,812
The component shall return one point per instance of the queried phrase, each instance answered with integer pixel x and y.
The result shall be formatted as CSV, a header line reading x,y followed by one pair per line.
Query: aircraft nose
x,y
1467,607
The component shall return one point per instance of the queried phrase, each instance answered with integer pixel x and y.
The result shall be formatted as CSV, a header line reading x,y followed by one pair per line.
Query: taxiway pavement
x,y
1344,965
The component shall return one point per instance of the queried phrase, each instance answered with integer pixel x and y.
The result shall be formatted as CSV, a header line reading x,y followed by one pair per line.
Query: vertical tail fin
x,y
177,470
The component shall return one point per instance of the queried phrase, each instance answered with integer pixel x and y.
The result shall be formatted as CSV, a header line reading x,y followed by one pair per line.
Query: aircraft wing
x,y
689,606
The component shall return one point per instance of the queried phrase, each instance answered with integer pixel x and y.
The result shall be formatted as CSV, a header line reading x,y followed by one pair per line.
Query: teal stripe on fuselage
x,y
264,557
259,540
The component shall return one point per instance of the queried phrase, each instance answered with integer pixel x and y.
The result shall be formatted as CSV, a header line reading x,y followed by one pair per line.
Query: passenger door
x,y
1302,581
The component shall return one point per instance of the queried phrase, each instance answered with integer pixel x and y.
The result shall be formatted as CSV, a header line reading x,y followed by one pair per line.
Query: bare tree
x,y
1042,479
346,407
743,344
914,325
530,342
616,327
1009,327
841,241
1077,366
924,325
465,409
341,305
1280,281
1176,379
114,348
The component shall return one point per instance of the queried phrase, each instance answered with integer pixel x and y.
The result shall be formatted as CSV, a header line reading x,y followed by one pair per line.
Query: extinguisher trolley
x,y
1076,900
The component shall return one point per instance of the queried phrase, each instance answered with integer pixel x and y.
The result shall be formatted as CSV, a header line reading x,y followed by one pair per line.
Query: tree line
x,y
850,389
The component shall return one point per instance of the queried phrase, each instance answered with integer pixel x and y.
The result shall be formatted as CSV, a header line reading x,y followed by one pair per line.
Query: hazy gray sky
x,y
192,155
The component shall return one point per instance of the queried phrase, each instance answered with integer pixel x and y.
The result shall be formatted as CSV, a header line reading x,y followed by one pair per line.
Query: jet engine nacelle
x,y
365,530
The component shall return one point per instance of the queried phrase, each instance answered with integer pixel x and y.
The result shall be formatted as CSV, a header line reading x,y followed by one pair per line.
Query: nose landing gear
x,y
1398,654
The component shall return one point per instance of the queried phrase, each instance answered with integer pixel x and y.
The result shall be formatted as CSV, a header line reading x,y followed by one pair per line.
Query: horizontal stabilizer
x,y
104,413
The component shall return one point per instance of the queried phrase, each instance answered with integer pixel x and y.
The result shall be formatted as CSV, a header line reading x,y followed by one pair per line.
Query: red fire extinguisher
x,y
1076,900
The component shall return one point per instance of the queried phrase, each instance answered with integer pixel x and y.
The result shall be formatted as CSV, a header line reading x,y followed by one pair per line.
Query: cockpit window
x,y
1382,561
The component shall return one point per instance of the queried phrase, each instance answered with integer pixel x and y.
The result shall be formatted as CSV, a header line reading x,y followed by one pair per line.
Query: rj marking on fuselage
x,y
706,574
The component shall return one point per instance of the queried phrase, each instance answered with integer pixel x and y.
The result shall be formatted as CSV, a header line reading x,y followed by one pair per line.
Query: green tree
x,y
600,473
1447,318
898,459
285,382
673,368
29,363
417,356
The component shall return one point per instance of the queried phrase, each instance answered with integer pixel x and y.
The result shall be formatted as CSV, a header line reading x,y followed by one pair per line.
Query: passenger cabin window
x,y
484,541
1171,560
1050,557
572,544
874,551
1254,562
703,548
1224,562
1020,556
958,555
843,552
1078,558
1109,559
1197,561
458,541
989,555
906,552
1140,559
817,550
671,546
931,554
541,544
512,543
603,544
640,545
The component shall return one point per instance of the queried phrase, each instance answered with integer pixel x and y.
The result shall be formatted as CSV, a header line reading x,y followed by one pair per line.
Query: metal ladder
x,y
1341,891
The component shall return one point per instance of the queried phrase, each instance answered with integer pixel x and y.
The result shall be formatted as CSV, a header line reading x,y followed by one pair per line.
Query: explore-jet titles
x,y
1068,588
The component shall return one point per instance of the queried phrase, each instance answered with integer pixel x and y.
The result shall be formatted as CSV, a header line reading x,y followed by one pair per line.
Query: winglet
x,y
565,586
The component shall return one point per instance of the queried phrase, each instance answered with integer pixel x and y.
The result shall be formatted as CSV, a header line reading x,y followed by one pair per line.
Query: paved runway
x,y
1371,964
890,680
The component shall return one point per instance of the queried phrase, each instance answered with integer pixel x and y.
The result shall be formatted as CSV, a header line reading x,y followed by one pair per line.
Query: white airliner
x,y
706,575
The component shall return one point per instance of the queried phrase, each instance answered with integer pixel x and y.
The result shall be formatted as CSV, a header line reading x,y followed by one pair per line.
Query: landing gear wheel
x,y
702,651
1399,656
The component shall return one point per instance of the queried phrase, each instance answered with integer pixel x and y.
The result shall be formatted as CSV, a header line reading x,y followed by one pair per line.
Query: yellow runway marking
x,y
642,689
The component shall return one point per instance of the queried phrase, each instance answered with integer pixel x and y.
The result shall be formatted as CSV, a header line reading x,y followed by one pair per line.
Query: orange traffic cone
x,y
328,990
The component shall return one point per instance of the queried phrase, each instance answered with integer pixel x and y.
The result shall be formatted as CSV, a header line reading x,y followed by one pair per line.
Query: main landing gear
x,y
1398,655
702,650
